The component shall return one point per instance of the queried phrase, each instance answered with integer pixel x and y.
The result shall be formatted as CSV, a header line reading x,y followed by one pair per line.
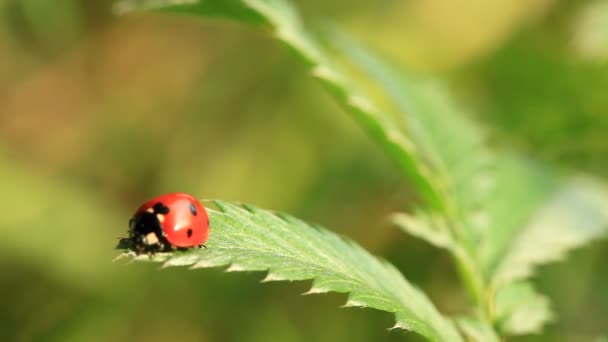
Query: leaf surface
x,y
246,238
521,310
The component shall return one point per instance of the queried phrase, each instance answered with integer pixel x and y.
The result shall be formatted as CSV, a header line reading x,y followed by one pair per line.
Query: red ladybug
x,y
168,222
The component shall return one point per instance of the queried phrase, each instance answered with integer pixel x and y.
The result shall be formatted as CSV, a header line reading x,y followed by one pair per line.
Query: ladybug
x,y
168,222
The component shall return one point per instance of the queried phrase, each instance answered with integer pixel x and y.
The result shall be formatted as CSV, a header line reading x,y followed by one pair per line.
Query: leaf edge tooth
x,y
205,263
221,205
400,326
351,303
234,267
272,277
316,290
249,208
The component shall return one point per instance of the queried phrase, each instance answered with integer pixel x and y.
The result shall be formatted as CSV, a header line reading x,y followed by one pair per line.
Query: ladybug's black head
x,y
145,231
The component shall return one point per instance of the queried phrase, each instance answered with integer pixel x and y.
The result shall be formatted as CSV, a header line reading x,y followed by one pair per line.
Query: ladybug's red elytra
x,y
168,222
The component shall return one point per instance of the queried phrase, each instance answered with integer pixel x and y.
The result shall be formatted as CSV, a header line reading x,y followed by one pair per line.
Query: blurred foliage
x,y
98,113
544,88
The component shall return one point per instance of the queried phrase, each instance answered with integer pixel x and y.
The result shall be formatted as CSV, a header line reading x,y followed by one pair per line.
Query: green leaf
x,y
495,239
227,9
434,229
521,187
429,227
250,239
521,310
573,216
477,330
282,20
445,135
536,218
484,228
451,144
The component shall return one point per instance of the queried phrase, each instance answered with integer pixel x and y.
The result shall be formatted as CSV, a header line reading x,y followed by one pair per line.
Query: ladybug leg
x,y
202,246
163,248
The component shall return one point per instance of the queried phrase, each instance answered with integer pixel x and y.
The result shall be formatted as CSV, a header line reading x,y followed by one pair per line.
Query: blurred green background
x,y
98,113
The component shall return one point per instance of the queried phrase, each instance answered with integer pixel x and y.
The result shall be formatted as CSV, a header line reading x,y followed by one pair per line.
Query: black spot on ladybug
x,y
160,208
189,232
193,209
